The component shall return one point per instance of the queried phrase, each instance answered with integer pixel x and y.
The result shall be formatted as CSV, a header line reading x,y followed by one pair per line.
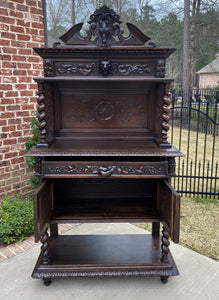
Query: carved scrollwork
x,y
129,69
83,69
165,114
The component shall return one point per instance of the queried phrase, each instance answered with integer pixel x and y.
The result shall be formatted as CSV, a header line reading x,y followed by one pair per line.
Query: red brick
x,y
31,31
6,57
11,94
23,23
22,113
9,79
13,107
4,42
26,93
37,11
5,87
7,115
8,35
19,58
40,4
32,45
6,252
31,3
2,108
9,50
25,79
34,73
7,20
18,45
18,29
10,155
23,66
39,39
4,27
7,101
17,160
5,3
3,122
21,86
23,126
28,106
23,37
7,65
8,128
10,142
16,14
3,12
37,25
34,59
22,7
19,72
14,121
6,72
25,51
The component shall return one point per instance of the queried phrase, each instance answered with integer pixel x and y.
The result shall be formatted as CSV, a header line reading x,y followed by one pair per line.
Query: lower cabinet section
x,y
104,256
60,200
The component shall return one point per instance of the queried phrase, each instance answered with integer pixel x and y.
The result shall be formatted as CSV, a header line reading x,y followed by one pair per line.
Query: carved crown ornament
x,y
104,31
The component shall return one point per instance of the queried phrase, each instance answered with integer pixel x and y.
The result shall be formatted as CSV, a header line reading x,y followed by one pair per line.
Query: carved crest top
x,y
104,31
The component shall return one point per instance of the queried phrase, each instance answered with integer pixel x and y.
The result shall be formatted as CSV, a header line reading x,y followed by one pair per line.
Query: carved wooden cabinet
x,y
103,154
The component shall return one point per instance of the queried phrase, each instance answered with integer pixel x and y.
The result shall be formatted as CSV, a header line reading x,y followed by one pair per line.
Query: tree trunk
x,y
185,81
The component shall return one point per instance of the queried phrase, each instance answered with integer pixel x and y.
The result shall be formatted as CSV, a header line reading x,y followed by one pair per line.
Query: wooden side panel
x,y
168,206
43,207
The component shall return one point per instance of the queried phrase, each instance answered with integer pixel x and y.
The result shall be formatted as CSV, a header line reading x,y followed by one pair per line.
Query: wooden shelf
x,y
105,210
104,255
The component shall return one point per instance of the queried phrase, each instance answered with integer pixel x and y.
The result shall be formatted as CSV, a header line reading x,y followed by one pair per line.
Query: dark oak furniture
x,y
103,154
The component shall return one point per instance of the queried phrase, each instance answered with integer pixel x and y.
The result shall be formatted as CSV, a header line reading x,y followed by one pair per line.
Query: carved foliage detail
x,y
105,170
104,25
42,113
160,72
105,67
165,114
48,68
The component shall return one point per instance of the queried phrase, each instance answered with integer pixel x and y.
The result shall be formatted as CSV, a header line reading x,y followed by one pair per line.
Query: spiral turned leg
x,y
44,248
165,246
165,115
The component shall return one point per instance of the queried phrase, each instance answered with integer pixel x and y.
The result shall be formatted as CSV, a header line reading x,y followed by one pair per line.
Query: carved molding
x,y
105,170
82,69
66,274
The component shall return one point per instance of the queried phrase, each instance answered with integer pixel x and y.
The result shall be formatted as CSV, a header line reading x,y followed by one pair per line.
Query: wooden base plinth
x,y
104,256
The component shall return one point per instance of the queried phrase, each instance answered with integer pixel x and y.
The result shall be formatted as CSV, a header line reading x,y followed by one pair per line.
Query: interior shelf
x,y
105,210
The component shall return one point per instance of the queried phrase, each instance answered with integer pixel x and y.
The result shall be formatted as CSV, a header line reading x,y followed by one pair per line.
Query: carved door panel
x,y
168,206
43,207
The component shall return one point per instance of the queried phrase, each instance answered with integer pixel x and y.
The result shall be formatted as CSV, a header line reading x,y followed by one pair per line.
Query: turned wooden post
x,y
165,246
44,248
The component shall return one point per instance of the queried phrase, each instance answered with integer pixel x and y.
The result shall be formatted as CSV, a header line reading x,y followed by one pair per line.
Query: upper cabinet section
x,y
104,51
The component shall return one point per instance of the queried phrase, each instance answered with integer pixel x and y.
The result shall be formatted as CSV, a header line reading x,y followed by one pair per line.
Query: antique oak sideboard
x,y
103,154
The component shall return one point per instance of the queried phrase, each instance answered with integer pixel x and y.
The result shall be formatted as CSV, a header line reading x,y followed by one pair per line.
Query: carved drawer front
x,y
54,169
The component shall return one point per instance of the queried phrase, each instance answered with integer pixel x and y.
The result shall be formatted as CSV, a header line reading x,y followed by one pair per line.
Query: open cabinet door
x,y
168,206
43,206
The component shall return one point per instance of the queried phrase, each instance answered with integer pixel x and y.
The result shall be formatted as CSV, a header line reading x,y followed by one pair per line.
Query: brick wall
x,y
21,29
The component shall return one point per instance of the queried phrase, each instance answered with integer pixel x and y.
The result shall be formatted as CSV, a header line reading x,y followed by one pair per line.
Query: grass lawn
x,y
199,226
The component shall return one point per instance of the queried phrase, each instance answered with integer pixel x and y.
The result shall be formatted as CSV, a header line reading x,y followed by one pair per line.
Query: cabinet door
x,y
168,206
43,206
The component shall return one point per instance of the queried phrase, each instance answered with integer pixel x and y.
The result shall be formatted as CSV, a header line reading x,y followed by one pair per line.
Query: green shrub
x,y
16,218
30,143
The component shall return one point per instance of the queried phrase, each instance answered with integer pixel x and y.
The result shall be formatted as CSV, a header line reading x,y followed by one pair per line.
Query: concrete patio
x,y
198,279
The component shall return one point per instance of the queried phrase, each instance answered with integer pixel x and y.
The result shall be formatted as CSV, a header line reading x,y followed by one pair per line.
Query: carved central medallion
x,y
103,111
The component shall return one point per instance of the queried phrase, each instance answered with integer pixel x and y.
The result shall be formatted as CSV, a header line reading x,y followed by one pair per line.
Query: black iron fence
x,y
195,131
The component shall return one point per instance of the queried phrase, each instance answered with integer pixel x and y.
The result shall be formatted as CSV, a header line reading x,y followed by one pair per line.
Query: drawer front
x,y
87,169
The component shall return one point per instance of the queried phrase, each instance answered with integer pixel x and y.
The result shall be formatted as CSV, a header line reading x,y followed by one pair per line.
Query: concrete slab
x,y
198,279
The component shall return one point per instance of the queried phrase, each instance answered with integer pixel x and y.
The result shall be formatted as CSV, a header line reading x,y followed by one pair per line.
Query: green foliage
x,y
205,200
29,144
16,218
